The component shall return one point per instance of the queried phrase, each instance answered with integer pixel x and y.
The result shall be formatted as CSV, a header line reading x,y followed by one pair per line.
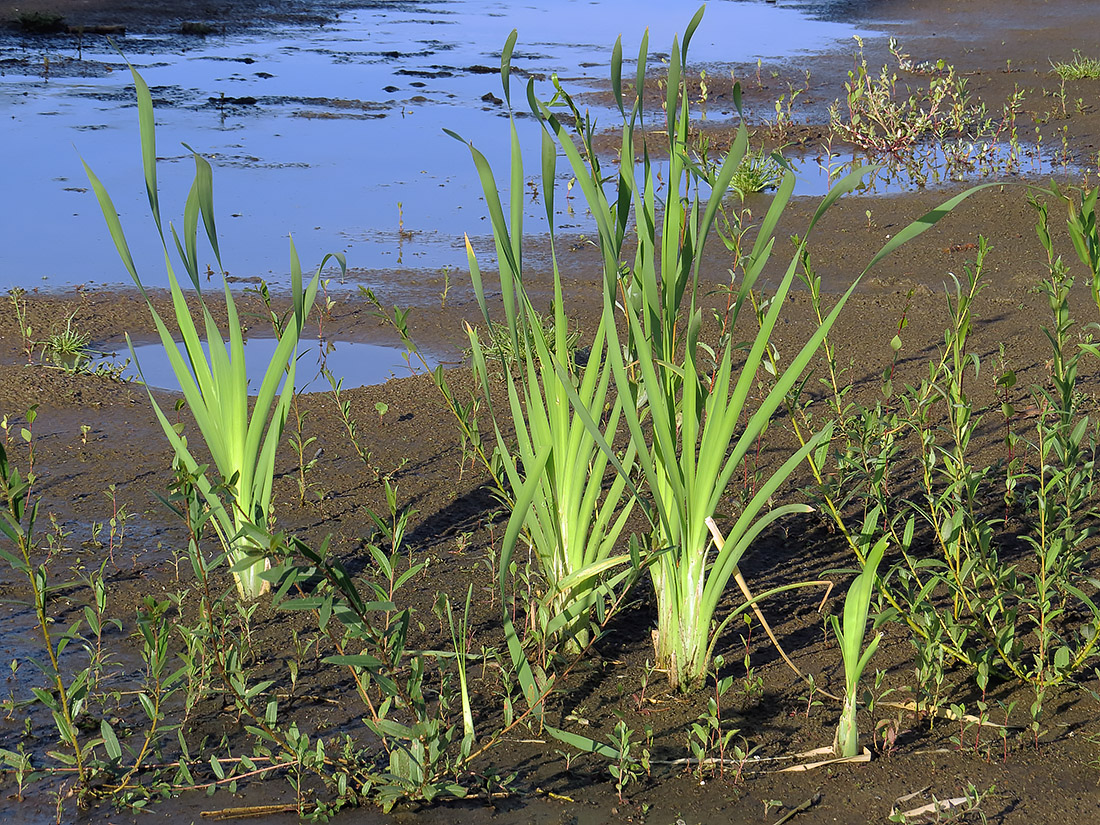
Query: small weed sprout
x,y
752,685
69,341
18,300
625,768
850,636
757,172
1080,68
66,347
709,738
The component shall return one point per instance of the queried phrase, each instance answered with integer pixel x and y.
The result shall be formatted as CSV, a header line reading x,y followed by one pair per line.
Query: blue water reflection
x,y
331,132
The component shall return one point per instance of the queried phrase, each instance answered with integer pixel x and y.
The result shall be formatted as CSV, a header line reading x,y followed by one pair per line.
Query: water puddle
x,y
356,363
939,164
333,132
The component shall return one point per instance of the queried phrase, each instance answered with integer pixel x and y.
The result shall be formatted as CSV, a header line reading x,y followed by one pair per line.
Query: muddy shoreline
x,y
55,17
98,448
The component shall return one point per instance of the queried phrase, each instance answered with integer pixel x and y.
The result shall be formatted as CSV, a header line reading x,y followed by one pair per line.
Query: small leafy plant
x,y
886,120
757,172
100,757
69,343
710,737
625,768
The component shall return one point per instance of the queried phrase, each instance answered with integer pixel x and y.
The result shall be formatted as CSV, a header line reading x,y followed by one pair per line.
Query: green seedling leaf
x,y
110,741
63,758
258,688
46,698
584,744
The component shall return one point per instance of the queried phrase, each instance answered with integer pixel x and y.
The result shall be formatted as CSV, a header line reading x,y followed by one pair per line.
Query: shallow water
x,y
931,166
357,364
332,133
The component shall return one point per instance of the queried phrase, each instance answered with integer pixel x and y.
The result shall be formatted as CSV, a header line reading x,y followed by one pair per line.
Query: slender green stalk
x,y
573,523
460,640
215,386
691,431
64,698
850,636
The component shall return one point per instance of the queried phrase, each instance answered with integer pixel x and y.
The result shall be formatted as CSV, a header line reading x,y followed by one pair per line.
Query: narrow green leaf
x,y
110,741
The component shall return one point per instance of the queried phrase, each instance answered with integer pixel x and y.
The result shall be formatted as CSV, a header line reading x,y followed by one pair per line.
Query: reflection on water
x,y
331,132
335,132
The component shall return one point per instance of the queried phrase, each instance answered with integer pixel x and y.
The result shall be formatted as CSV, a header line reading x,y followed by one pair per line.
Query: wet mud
x,y
98,447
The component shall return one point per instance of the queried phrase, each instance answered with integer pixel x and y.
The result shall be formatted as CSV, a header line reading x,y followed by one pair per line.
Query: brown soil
x,y
93,432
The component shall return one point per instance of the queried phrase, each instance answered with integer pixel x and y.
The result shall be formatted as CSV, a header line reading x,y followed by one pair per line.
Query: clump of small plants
x,y
1080,68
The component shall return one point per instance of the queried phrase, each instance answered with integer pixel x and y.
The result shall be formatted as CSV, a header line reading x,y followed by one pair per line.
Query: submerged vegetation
x,y
639,461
